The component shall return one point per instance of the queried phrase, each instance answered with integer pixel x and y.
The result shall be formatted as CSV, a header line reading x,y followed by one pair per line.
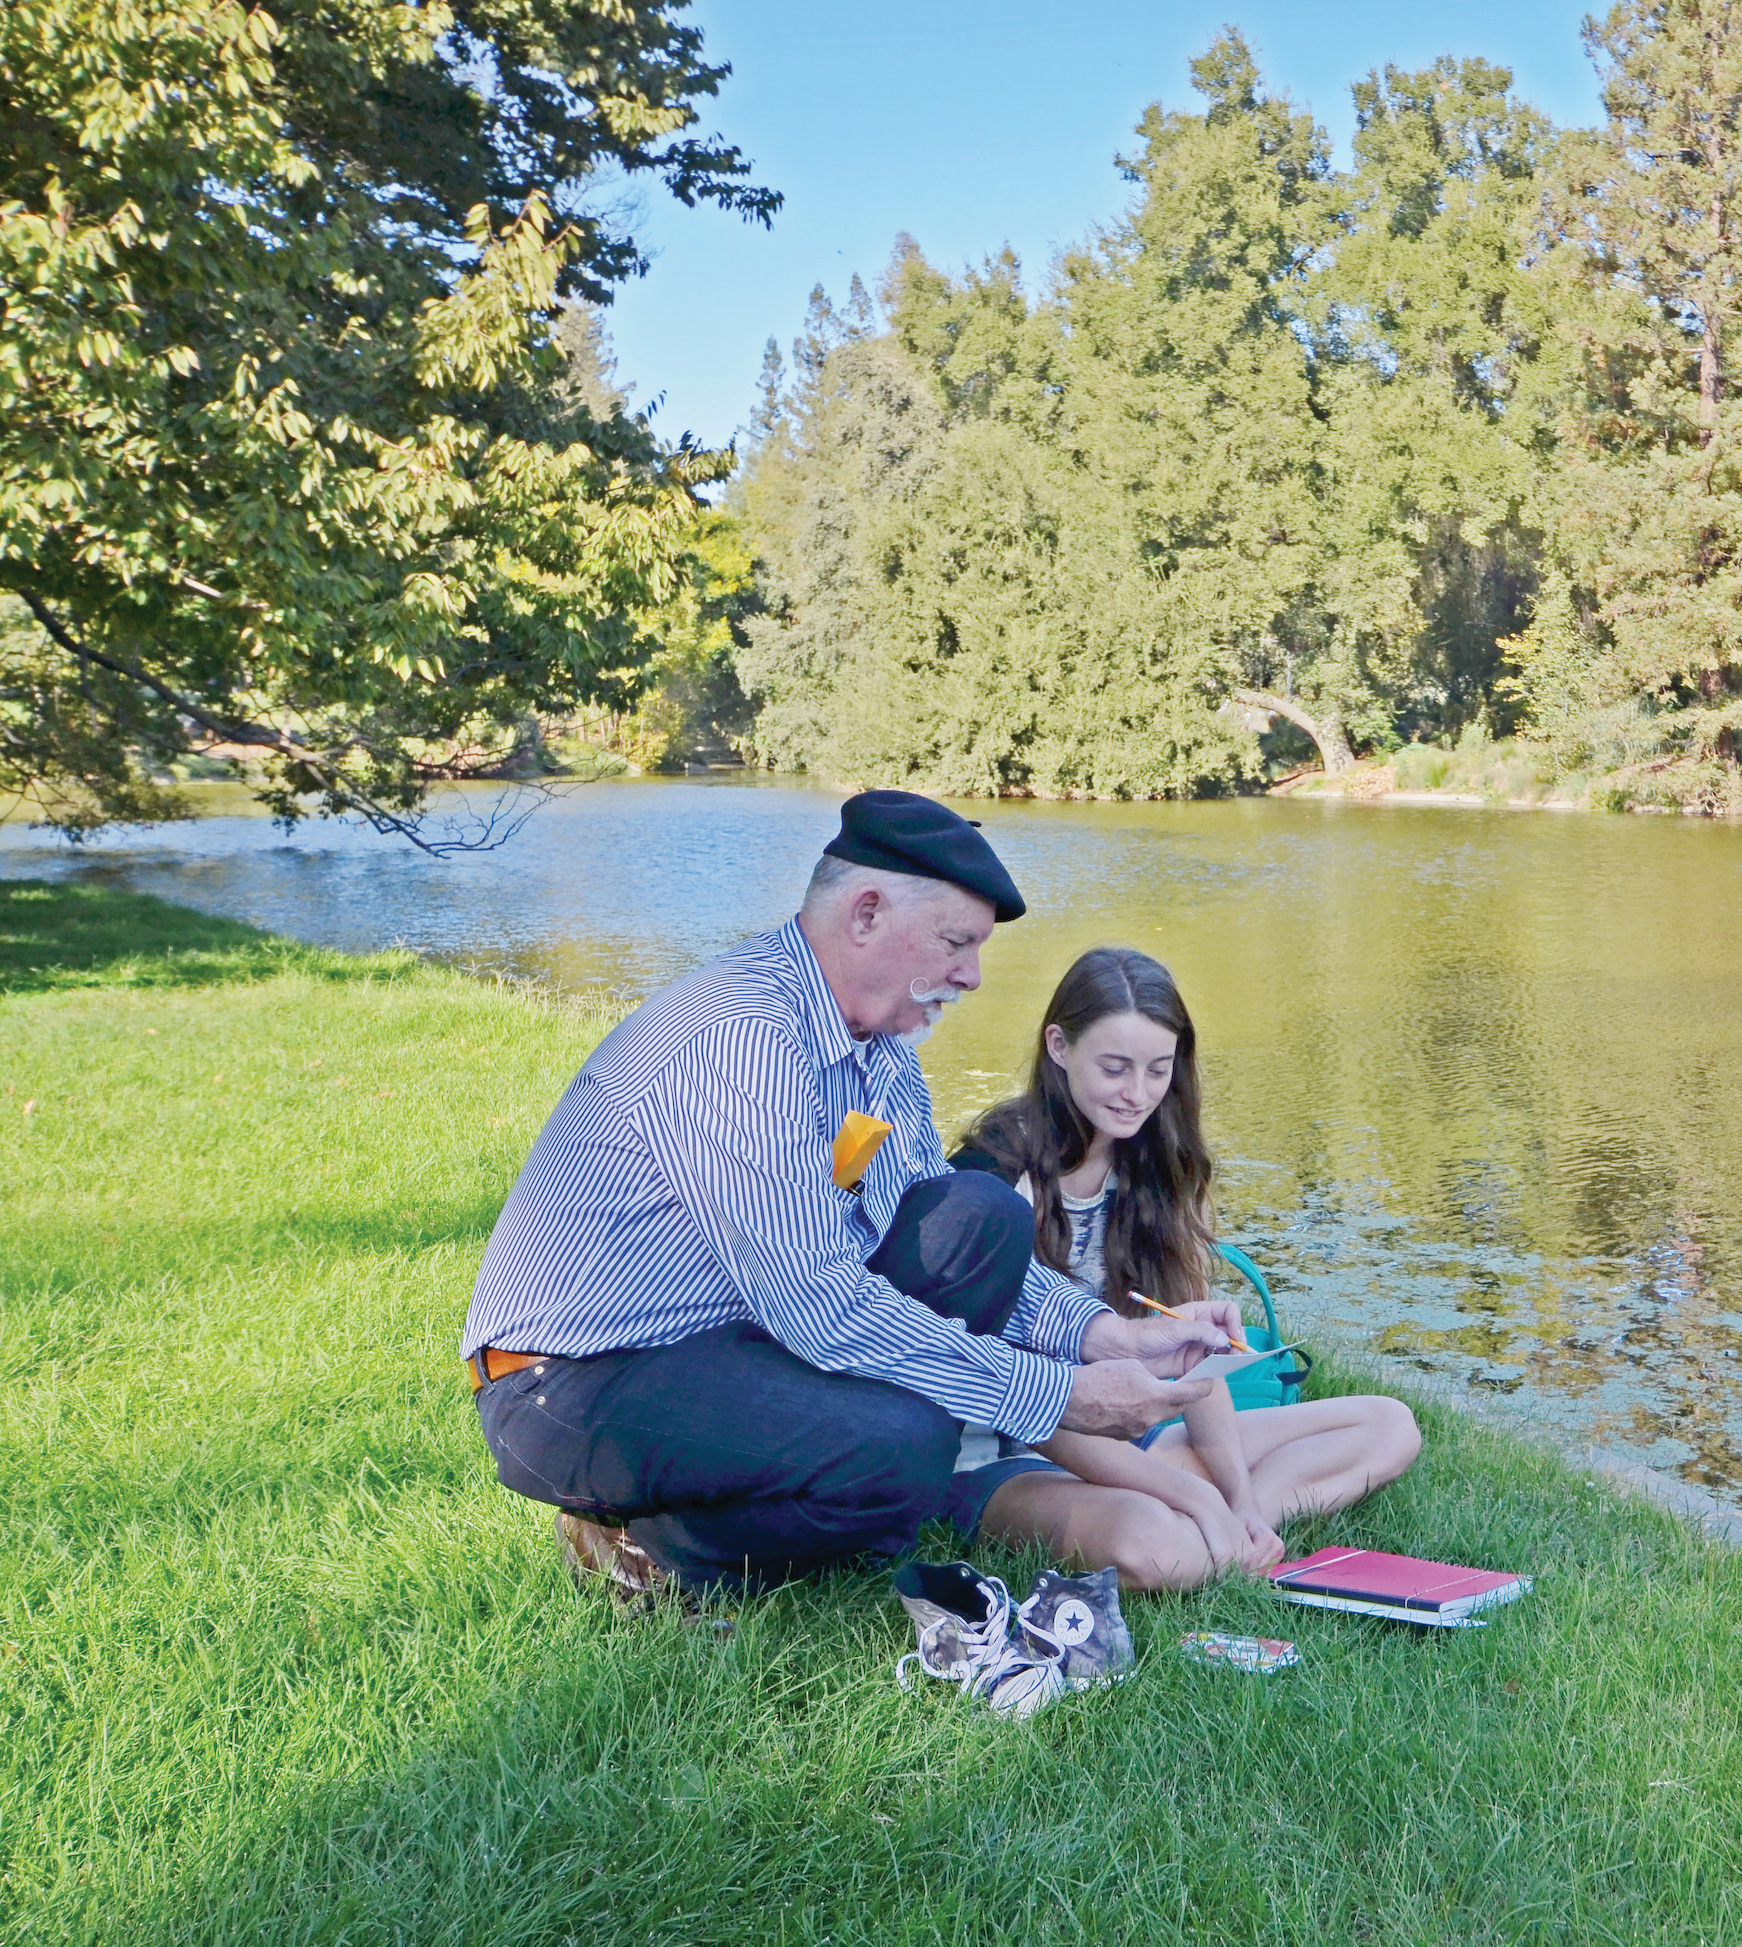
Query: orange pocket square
x,y
856,1141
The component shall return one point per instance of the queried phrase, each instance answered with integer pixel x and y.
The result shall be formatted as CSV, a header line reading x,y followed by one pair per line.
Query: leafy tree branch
x,y
288,451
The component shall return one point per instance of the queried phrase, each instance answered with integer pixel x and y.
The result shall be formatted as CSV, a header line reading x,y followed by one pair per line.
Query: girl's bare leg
x,y
1150,1545
1312,1458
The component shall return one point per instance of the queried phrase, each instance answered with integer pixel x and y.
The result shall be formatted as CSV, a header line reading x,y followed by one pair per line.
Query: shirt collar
x,y
817,1003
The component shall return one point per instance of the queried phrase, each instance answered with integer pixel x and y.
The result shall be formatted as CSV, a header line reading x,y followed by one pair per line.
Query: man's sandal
x,y
592,1553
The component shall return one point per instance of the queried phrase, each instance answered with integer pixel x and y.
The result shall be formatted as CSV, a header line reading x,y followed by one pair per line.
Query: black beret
x,y
899,831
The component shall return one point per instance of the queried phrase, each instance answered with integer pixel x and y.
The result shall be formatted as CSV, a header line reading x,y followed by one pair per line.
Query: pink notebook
x,y
1399,1586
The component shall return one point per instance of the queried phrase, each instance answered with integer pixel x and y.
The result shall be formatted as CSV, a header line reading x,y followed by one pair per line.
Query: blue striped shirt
x,y
684,1181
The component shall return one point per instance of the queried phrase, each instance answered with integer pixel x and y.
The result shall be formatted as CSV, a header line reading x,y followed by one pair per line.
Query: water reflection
x,y
1471,1075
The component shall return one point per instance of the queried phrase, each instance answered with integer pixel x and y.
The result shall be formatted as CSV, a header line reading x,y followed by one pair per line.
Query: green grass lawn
x,y
279,1662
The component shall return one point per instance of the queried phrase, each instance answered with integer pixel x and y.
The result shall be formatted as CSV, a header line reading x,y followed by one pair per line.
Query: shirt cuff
x,y
1035,1400
1053,1314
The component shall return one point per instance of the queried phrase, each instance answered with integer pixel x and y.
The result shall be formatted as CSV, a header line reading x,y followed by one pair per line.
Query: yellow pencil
x,y
1239,1345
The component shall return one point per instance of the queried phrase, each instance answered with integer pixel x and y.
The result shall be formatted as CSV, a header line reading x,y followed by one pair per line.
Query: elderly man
x,y
714,1362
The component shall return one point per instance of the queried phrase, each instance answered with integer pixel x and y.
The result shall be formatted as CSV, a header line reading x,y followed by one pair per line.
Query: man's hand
x,y
1122,1398
1223,1313
1167,1346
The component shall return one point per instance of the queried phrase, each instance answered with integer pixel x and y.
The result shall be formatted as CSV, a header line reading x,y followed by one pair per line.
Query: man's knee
x,y
961,1244
985,1209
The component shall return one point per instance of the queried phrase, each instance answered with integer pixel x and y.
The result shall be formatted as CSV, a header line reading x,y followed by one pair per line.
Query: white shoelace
x,y
1007,1676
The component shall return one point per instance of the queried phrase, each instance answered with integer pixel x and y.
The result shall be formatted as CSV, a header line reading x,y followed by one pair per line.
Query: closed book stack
x,y
1437,1595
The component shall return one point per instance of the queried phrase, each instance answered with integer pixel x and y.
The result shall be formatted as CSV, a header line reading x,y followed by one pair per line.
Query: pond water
x,y
1472,1076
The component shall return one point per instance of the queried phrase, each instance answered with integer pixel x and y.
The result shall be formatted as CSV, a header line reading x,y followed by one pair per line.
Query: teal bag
x,y
1267,1382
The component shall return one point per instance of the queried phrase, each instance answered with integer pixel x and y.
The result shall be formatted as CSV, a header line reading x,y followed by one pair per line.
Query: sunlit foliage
x,y
288,465
1436,444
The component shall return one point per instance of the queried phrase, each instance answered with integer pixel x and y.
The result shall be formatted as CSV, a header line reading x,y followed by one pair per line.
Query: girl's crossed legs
x,y
1161,1518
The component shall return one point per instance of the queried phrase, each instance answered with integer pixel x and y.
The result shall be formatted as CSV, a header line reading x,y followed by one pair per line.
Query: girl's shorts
x,y
971,1488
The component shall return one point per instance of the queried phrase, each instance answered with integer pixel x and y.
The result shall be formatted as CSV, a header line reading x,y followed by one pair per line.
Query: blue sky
x,y
974,124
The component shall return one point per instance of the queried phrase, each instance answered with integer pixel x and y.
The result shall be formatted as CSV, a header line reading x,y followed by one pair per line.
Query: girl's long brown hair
x,y
1160,1228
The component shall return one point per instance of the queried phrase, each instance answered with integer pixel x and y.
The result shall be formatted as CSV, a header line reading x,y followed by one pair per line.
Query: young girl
x,y
1107,1147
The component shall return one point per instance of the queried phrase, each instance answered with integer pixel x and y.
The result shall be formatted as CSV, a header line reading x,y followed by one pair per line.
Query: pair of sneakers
x,y
1015,1658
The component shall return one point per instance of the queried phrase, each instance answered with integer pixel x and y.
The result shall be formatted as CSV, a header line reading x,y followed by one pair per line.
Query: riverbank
x,y
1523,777
279,1661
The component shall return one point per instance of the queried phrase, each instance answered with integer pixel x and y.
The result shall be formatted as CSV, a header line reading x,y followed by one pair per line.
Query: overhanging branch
x,y
258,736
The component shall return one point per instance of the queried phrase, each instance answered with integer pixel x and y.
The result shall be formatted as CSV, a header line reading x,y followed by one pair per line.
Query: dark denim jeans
x,y
733,1462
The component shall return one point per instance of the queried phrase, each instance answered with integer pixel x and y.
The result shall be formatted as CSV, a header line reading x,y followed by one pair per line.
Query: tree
x,y
770,409
1192,395
1652,206
993,355
864,431
287,459
1437,312
1328,448
1034,572
693,707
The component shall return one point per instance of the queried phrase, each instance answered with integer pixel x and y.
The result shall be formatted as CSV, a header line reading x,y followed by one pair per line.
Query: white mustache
x,y
934,1000
934,996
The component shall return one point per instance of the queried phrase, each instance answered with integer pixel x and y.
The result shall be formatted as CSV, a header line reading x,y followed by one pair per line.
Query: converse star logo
x,y
1073,1622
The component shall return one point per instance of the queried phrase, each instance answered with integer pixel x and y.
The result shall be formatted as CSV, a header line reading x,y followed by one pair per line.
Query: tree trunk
x,y
1711,384
1711,345
1326,730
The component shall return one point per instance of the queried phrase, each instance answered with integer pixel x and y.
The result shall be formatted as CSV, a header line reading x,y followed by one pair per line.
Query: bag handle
x,y
1231,1254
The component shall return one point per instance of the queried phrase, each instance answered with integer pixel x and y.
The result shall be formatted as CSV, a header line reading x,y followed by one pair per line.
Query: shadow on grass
x,y
630,1781
54,938
614,1779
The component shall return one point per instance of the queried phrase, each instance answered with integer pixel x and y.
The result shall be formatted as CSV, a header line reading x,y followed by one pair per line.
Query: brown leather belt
x,y
498,1365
